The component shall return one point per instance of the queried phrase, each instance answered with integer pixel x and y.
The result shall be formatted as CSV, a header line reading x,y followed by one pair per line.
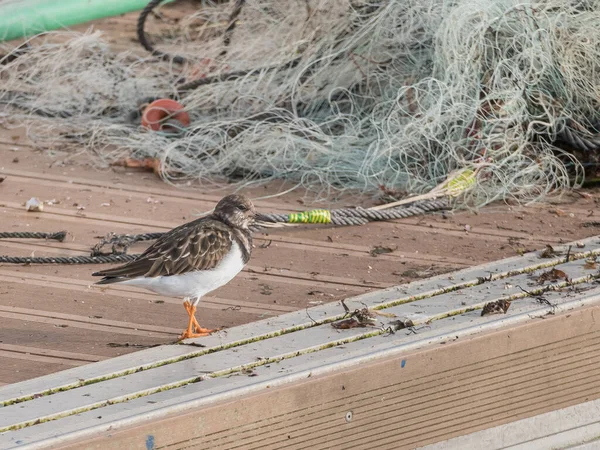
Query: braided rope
x,y
143,39
579,141
58,236
121,242
67,259
141,34
358,216
190,86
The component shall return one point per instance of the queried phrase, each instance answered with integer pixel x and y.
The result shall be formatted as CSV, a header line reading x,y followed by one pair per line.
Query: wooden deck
x,y
111,378
97,368
53,319
297,382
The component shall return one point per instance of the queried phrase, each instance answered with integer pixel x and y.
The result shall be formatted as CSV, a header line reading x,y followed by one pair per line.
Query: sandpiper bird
x,y
193,259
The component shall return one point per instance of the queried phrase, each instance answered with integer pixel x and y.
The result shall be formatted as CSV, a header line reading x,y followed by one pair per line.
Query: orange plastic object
x,y
159,111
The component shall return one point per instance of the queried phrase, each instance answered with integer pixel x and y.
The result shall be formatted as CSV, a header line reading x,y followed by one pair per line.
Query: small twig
x,y
193,344
266,245
345,307
568,254
127,344
539,297
232,308
531,294
312,320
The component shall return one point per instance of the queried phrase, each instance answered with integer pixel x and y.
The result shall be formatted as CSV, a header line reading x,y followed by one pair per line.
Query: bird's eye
x,y
243,208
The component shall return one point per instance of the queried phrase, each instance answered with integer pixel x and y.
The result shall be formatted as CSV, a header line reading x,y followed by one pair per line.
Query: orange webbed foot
x,y
187,334
194,329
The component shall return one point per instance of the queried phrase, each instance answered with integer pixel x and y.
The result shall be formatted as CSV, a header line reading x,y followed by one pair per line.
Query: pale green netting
x,y
396,94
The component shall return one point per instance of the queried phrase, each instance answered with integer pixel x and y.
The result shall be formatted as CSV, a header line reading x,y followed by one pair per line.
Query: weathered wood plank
x,y
264,351
71,320
570,427
430,386
129,292
166,193
296,321
25,350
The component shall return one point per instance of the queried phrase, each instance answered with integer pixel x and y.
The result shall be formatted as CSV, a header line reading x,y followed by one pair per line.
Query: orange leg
x,y
191,312
193,329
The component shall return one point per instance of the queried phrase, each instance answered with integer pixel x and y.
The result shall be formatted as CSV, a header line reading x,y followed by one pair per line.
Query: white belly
x,y
195,284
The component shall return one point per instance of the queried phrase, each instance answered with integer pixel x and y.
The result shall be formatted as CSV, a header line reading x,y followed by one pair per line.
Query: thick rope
x,y
121,242
141,34
579,140
58,236
228,76
358,216
67,259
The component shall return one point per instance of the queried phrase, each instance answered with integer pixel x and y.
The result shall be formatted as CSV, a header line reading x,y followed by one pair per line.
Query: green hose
x,y
21,18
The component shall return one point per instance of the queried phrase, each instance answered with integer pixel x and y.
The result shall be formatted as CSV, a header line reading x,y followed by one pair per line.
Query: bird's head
x,y
236,210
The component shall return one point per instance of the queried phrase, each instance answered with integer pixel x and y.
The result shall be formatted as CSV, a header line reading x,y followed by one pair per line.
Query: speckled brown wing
x,y
195,246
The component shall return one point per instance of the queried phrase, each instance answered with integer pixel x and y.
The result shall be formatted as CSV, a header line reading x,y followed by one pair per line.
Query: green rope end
x,y
314,216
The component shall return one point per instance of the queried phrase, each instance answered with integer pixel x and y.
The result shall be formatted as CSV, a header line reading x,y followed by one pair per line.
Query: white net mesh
x,y
394,94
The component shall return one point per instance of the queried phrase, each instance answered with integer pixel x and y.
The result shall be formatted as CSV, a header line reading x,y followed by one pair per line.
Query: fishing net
x,y
343,96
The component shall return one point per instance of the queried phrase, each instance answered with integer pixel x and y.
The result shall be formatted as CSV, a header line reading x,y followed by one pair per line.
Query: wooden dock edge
x,y
396,402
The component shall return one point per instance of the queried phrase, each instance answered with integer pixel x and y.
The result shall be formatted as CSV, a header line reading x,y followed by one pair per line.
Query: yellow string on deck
x,y
314,216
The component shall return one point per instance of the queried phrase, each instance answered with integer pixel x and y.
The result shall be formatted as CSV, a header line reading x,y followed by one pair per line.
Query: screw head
x,y
349,416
